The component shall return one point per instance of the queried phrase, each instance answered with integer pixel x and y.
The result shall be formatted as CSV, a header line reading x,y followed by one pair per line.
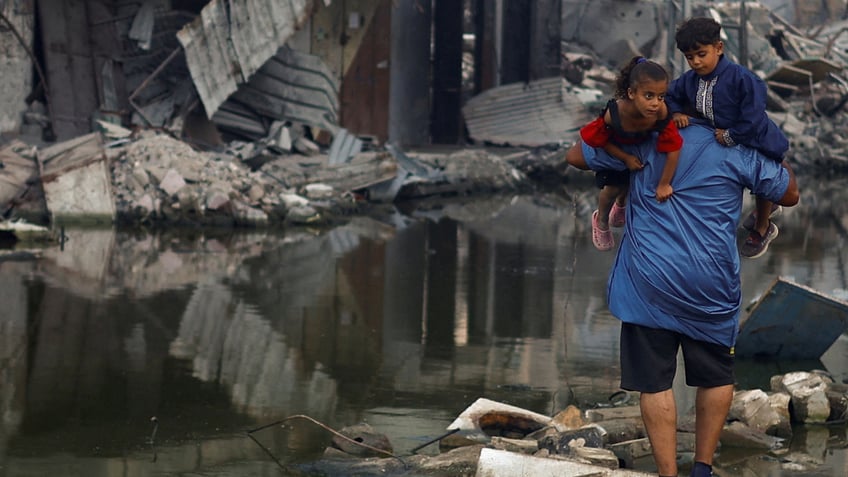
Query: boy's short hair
x,y
698,31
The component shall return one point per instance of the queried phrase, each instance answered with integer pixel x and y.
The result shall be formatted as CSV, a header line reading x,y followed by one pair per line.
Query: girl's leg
x,y
616,217
606,198
621,198
574,156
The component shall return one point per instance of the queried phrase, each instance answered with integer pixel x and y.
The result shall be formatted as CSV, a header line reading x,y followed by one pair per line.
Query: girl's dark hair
x,y
637,70
697,31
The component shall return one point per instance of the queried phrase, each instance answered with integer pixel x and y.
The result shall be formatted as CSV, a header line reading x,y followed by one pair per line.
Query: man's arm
x,y
791,196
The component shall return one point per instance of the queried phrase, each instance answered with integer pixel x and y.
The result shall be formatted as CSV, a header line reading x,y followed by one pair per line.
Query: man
x,y
675,282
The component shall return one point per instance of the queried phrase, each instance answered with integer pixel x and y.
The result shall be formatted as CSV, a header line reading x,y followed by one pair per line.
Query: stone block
x,y
739,434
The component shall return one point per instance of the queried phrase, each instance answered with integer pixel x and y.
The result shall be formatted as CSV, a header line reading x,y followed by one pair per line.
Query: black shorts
x,y
649,360
612,178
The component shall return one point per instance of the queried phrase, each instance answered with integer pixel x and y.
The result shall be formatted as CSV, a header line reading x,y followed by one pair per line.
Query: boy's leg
x,y
763,232
763,207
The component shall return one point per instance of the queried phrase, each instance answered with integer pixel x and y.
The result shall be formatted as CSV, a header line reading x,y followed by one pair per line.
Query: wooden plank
x,y
818,67
364,170
792,321
786,73
783,89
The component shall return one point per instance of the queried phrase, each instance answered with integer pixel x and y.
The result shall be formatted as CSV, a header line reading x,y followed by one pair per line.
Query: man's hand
x,y
664,191
632,162
680,120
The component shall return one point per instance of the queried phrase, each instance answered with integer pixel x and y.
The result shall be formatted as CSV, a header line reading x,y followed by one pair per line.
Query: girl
x,y
631,117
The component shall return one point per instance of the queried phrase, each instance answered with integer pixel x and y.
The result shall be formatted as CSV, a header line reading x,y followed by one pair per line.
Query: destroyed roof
x,y
231,40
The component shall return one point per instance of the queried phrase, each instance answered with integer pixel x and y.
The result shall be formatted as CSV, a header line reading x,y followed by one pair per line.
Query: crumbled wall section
x,y
614,29
15,65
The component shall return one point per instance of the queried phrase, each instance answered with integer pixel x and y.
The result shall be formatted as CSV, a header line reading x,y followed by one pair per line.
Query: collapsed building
x,y
280,105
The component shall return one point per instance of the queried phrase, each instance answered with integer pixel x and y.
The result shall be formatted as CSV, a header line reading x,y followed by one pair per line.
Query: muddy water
x,y
142,354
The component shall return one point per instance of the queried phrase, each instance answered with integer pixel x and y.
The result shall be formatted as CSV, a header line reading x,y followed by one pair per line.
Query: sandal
x,y
602,239
616,216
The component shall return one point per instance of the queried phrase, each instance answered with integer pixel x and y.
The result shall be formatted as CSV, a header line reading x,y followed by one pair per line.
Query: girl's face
x,y
704,59
648,96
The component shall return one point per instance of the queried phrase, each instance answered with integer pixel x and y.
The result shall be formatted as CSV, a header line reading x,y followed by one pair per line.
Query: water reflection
x,y
401,322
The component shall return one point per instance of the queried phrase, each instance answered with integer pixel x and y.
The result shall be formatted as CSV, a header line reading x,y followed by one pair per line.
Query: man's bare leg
x,y
659,412
711,408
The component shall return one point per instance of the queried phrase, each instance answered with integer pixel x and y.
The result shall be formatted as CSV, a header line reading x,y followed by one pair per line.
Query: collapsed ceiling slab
x,y
230,40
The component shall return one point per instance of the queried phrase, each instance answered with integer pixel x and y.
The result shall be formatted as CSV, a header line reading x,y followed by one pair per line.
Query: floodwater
x,y
132,353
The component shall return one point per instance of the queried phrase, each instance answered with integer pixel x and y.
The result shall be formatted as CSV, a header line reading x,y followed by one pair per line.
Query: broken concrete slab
x,y
77,181
791,321
755,408
739,434
808,392
498,463
362,171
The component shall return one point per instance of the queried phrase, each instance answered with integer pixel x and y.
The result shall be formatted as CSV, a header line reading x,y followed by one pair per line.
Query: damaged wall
x,y
338,30
15,63
614,29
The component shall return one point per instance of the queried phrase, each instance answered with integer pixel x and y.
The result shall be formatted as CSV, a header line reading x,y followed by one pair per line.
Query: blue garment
x,y
677,267
731,98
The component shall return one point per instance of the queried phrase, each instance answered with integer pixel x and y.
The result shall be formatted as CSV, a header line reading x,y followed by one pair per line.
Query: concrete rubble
x,y
495,439
292,162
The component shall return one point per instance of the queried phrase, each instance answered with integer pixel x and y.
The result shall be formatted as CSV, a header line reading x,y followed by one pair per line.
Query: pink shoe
x,y
602,239
616,216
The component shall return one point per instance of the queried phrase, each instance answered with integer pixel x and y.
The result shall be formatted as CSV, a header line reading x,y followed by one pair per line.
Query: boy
x,y
733,99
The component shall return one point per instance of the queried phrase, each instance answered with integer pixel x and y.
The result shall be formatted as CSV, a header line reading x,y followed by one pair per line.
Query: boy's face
x,y
704,58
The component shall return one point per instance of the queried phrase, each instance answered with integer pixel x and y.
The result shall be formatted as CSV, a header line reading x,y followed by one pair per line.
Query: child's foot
x,y
756,245
751,219
602,239
616,216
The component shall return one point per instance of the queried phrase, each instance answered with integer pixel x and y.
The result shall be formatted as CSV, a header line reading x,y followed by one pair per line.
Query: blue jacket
x,y
677,267
732,98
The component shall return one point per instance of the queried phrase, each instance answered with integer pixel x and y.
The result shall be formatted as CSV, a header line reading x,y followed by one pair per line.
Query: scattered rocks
x,y
613,438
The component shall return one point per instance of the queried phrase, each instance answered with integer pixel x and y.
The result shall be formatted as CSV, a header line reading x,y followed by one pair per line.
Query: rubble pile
x,y
160,179
610,439
157,179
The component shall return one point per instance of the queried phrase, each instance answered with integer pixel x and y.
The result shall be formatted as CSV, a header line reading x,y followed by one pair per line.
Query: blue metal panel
x,y
792,321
